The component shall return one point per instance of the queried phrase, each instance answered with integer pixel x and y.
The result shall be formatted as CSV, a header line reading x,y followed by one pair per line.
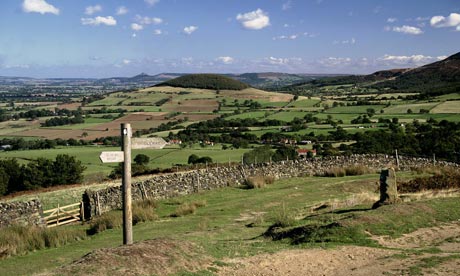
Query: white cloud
x,y
225,60
136,27
392,20
99,20
122,10
40,6
335,61
413,60
145,20
190,29
151,2
134,35
453,20
289,37
441,57
348,41
407,30
254,20
283,61
126,61
287,5
157,32
93,9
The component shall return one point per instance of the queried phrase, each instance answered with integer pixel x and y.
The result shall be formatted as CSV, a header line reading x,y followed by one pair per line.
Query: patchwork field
x,y
447,107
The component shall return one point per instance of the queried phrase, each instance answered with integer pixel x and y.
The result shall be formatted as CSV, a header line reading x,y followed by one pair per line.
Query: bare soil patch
x,y
70,106
423,237
193,106
152,257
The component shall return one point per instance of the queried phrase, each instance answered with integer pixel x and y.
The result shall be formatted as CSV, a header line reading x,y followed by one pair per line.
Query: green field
x,y
354,109
403,108
164,158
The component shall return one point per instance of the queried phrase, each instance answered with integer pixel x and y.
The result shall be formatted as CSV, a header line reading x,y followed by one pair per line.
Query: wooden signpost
x,y
125,156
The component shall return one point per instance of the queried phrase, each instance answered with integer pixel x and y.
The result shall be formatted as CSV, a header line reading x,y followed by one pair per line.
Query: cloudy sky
x,y
102,38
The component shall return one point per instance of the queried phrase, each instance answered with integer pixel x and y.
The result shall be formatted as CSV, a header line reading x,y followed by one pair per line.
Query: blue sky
x,y
101,38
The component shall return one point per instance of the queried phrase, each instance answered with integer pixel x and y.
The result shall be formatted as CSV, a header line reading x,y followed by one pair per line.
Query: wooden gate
x,y
64,215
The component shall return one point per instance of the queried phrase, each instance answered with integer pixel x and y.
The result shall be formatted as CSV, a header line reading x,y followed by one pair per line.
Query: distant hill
x,y
271,80
206,81
138,80
441,77
353,79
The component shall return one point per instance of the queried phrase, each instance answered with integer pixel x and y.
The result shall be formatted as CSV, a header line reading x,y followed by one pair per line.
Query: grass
x,y
447,107
218,227
415,107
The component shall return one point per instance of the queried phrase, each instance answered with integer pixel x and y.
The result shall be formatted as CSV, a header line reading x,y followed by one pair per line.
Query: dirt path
x,y
396,259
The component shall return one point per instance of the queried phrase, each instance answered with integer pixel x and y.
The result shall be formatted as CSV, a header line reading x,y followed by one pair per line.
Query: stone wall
x,y
21,213
182,183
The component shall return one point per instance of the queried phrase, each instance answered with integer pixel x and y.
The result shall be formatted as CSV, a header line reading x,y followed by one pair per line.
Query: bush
x,y
449,178
109,220
357,170
18,240
258,181
334,172
144,211
188,208
346,171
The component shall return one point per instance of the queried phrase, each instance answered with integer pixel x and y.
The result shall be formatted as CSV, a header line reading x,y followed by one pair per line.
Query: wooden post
x,y
397,159
57,220
126,184
82,211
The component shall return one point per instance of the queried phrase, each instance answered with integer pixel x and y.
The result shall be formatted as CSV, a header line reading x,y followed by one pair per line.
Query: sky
x,y
110,38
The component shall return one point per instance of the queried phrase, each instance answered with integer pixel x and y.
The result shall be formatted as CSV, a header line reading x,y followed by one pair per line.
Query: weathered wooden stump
x,y
388,188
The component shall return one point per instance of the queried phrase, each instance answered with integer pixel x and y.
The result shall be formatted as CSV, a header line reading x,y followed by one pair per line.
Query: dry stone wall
x,y
182,183
21,213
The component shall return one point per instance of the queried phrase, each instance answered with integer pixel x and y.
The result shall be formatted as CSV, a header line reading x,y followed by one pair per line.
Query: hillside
x,y
205,81
352,79
434,79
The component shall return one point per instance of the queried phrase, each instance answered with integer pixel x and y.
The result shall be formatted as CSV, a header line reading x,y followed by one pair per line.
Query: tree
x,y
258,155
284,153
141,159
192,159
67,169
4,178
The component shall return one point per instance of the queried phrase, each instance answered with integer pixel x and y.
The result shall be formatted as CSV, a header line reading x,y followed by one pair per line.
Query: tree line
x,y
39,173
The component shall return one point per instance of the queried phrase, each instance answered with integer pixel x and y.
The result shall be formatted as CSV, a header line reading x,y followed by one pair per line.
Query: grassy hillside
x,y
206,81
234,222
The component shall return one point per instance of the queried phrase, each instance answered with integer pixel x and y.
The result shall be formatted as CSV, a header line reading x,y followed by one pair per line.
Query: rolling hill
x,y
441,77
206,81
433,79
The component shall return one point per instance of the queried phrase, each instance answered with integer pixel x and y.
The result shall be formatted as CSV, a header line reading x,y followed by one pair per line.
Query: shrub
x,y
109,220
357,170
446,179
188,208
258,181
144,211
334,172
346,171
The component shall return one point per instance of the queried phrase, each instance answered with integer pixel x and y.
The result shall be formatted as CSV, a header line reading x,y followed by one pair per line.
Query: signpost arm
x,y
127,211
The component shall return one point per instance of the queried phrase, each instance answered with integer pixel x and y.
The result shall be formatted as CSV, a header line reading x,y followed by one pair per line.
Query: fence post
x,y
82,211
58,209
